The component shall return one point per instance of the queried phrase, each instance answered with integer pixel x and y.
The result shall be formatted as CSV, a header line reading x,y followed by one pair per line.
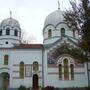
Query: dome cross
x,y
58,4
10,14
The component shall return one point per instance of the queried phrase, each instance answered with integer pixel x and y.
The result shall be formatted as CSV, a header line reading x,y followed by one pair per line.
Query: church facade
x,y
41,65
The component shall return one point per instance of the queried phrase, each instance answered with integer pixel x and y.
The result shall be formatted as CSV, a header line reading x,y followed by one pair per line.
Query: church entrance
x,y
4,81
35,82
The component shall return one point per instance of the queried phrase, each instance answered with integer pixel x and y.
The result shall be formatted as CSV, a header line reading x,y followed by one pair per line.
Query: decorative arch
x,y
21,70
61,23
48,26
35,66
6,59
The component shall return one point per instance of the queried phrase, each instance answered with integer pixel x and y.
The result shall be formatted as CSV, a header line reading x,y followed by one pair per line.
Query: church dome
x,y
10,32
54,18
10,22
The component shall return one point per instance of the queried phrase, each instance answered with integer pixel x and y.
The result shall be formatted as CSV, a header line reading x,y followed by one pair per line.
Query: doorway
x,y
4,81
35,82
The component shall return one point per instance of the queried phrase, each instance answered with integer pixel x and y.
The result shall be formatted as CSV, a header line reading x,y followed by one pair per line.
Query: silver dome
x,y
10,22
54,18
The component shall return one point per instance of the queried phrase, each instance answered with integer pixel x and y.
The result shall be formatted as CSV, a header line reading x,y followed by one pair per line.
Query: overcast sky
x,y
31,14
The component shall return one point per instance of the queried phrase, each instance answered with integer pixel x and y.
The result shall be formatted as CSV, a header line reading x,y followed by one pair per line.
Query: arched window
x,y
49,33
66,69
21,70
60,71
72,71
8,31
0,32
15,32
6,58
35,66
62,32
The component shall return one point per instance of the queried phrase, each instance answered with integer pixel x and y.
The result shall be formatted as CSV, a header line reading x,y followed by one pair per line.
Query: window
x,y
21,70
35,66
0,32
60,71
6,57
72,71
8,31
49,33
66,69
62,32
15,32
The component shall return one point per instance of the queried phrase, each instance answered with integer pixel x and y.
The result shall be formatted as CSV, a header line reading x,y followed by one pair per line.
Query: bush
x,y
22,88
28,88
71,88
49,88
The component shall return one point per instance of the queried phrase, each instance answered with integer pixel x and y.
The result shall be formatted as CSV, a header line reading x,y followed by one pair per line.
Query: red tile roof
x,y
29,46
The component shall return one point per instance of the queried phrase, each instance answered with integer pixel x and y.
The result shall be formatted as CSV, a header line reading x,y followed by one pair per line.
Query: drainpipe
x,y
42,66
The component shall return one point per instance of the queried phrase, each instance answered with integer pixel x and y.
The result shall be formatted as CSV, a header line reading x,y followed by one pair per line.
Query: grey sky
x,y
31,14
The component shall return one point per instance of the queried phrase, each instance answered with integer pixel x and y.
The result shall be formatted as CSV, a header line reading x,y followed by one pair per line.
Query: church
x,y
41,65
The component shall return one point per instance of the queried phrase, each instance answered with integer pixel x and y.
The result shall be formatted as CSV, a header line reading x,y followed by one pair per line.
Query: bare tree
x,y
27,39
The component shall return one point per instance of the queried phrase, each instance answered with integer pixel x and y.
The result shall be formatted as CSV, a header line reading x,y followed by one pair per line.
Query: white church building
x,y
41,65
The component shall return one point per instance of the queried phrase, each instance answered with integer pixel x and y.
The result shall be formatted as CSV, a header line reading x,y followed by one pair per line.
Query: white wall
x,y
28,56
80,77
